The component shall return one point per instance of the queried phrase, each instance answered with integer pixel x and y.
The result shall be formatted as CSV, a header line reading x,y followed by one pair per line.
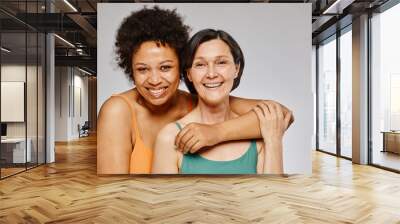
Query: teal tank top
x,y
196,164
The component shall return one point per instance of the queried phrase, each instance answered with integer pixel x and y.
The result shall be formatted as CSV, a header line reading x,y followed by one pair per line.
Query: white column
x,y
50,110
360,90
50,92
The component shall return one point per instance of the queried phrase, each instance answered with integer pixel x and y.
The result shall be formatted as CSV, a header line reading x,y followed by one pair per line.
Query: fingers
x,y
192,146
179,136
188,142
196,147
259,113
265,109
288,118
185,138
189,139
279,111
272,110
291,119
272,113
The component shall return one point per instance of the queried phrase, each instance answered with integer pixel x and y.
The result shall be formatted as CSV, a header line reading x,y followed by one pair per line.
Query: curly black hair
x,y
149,24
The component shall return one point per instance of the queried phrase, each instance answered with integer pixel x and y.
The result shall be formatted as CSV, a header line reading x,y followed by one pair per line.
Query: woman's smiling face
x,y
155,72
213,71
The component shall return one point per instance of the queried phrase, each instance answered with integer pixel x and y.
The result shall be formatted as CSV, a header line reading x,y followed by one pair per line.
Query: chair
x,y
84,130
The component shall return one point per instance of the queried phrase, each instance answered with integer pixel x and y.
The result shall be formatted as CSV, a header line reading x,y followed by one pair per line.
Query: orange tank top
x,y
141,156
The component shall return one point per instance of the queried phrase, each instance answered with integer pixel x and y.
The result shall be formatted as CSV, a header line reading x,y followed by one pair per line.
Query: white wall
x,y
68,80
314,91
80,83
61,103
276,41
16,72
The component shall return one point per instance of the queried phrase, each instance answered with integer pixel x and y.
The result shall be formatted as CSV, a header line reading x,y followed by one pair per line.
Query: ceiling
x,y
76,21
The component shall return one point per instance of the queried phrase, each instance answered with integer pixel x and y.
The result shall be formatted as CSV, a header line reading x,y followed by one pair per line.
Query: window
x,y
346,93
385,88
327,96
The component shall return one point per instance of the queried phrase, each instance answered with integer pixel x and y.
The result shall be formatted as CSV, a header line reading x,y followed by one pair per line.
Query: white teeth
x,y
212,85
157,92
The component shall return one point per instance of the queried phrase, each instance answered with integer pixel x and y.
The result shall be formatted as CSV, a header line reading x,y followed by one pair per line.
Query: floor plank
x,y
69,191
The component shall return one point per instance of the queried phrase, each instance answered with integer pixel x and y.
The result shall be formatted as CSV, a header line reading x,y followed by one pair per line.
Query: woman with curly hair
x,y
149,47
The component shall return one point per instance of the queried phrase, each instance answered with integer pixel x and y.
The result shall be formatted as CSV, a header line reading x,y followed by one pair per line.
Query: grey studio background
x,y
276,41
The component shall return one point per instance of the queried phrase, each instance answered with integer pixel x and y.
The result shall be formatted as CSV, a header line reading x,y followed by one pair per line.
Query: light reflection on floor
x,y
386,159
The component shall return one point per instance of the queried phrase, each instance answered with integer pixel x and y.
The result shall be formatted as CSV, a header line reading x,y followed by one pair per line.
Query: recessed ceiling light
x,y
64,40
70,5
337,7
5,50
84,71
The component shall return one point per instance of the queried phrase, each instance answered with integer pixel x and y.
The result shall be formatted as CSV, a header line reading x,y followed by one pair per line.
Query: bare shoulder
x,y
114,127
114,137
165,158
131,94
115,108
243,105
167,133
165,146
236,99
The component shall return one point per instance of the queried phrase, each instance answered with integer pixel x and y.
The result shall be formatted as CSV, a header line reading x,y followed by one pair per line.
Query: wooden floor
x,y
69,191
10,171
388,159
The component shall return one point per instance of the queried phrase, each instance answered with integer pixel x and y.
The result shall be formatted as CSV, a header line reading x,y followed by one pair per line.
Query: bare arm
x,y
272,162
273,159
260,159
273,125
245,126
165,160
114,147
244,107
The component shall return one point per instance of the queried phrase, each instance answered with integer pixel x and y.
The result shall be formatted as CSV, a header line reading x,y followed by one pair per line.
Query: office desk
x,y
13,150
391,141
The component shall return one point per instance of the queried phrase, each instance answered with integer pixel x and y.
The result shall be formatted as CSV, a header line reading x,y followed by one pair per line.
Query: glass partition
x,y
22,77
327,96
31,100
385,89
14,154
